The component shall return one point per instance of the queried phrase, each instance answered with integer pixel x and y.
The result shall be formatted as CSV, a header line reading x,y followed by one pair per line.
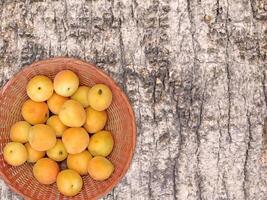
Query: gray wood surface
x,y
194,70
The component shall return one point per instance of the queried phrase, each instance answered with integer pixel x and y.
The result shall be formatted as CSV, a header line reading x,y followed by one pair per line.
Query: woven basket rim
x,y
4,88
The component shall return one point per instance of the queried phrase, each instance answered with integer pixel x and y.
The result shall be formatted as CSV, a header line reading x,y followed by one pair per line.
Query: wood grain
x,y
194,70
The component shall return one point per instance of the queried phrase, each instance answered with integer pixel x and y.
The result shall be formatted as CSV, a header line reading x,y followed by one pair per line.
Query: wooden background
x,y
194,70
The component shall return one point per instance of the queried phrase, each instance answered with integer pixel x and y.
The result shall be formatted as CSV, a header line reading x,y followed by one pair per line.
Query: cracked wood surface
x,y
194,70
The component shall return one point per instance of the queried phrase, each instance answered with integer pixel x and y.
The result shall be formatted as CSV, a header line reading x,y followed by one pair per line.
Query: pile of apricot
x,y
63,121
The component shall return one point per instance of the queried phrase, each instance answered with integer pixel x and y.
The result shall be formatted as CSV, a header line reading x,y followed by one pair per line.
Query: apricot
x,y
35,112
100,97
39,88
79,162
100,168
55,102
81,95
58,152
33,155
42,137
55,123
15,153
69,182
45,171
72,114
19,132
101,143
75,140
95,120
66,83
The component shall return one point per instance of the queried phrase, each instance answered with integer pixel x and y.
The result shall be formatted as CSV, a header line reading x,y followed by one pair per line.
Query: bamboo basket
x,y
121,123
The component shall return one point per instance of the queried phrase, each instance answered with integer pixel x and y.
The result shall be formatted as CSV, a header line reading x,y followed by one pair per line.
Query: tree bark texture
x,y
195,72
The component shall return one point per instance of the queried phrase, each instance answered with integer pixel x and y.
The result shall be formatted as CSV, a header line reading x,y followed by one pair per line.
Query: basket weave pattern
x,y
121,123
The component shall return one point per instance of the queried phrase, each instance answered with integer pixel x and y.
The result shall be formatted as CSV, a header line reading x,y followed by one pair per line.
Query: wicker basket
x,y
121,122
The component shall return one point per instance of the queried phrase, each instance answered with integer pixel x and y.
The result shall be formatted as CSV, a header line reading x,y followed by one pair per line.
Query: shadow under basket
x,y
121,123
